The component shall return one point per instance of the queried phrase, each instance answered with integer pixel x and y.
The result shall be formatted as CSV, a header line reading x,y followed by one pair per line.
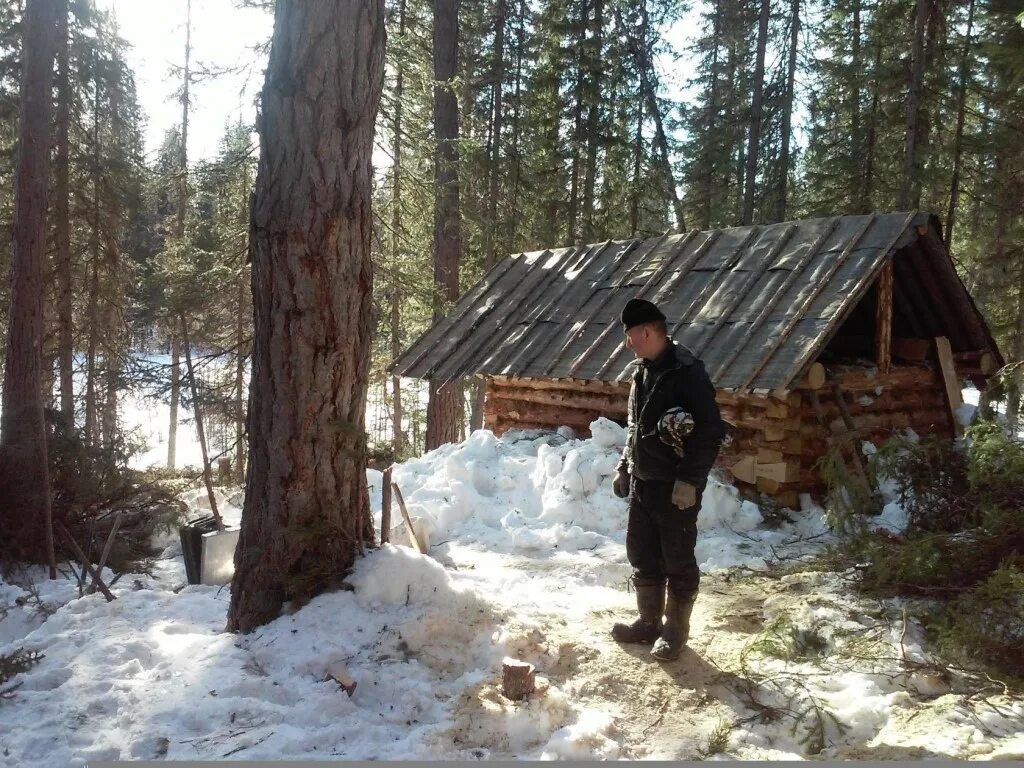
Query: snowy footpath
x,y
526,560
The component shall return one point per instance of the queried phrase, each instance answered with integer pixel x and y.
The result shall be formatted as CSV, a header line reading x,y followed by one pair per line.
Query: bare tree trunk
x,y
24,471
62,227
515,151
756,110
444,409
871,141
595,67
958,141
172,434
197,410
855,56
179,234
93,320
910,189
240,351
787,113
476,419
241,347
707,177
638,154
397,433
306,513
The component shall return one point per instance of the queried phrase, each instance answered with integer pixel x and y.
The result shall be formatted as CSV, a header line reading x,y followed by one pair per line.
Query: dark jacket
x,y
676,378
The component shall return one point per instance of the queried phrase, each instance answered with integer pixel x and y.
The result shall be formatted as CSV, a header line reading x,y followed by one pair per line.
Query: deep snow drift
x,y
526,560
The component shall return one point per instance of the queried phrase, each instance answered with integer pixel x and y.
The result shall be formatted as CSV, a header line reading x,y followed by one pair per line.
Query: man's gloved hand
x,y
620,485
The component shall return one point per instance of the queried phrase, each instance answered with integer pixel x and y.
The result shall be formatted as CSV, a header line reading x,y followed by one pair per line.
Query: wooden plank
x,y
766,310
521,349
430,340
883,318
653,280
797,315
744,469
455,348
408,522
609,269
954,395
749,282
385,506
694,307
574,367
769,456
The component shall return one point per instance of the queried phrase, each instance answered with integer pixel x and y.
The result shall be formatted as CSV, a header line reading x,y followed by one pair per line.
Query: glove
x,y
620,485
684,495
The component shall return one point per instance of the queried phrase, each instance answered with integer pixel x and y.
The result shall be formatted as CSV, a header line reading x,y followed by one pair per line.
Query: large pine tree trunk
x,y
24,474
444,407
756,109
306,512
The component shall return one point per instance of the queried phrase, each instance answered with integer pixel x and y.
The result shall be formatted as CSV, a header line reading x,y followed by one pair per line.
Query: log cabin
x,y
815,332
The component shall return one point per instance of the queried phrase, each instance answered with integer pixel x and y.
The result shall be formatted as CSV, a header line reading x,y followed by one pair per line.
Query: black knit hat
x,y
640,311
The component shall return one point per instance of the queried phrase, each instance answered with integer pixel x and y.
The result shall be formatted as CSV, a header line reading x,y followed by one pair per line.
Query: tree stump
x,y
518,679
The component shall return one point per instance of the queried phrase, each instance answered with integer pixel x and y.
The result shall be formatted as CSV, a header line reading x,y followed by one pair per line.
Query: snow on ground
x,y
526,560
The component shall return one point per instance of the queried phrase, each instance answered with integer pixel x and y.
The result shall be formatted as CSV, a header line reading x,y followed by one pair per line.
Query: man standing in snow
x,y
675,431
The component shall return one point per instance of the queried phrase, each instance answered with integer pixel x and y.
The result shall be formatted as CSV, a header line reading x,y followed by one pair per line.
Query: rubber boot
x,y
650,604
676,631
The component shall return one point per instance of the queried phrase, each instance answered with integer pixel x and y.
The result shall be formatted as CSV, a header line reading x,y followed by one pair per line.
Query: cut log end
x,y
518,679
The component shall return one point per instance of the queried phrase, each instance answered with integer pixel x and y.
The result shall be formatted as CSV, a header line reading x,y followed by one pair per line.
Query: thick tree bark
x,y
787,112
958,141
24,474
62,226
444,408
306,513
756,109
910,188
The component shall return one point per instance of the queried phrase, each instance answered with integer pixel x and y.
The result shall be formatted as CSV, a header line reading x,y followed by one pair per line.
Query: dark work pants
x,y
660,537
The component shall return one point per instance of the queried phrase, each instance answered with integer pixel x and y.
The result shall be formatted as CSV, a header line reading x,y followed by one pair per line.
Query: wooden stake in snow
x,y
408,523
518,678
341,676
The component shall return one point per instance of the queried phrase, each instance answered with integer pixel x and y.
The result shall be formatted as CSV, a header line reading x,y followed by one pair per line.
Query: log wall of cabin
x,y
777,438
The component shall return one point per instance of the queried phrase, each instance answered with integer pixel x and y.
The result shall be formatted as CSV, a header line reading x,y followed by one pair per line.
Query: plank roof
x,y
756,303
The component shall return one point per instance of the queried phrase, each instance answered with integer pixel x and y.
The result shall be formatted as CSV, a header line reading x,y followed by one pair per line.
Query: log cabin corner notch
x,y
773,310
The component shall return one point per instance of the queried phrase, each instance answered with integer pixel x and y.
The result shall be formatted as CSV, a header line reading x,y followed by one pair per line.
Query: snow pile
x,y
537,493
